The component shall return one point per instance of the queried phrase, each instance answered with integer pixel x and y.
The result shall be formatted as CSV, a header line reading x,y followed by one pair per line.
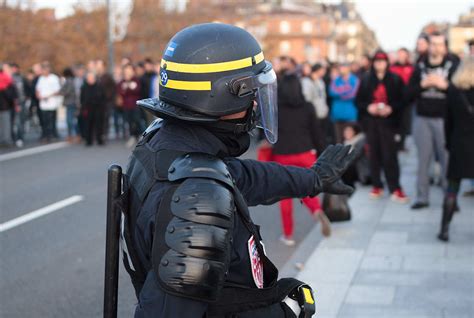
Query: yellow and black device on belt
x,y
304,296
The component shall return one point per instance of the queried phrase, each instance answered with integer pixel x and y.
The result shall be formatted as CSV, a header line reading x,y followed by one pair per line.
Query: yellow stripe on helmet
x,y
187,85
212,67
259,57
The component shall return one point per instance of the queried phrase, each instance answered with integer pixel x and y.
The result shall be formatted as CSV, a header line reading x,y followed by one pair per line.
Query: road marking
x,y
32,151
40,212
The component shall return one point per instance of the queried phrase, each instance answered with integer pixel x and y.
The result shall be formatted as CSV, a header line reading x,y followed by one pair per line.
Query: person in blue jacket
x,y
343,91
188,242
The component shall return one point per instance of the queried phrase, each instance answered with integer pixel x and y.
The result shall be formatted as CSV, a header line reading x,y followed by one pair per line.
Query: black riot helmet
x,y
213,70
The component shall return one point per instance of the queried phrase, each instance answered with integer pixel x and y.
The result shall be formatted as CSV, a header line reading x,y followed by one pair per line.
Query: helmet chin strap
x,y
237,126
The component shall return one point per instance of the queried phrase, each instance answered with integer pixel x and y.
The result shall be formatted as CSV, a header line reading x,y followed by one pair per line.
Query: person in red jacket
x,y
404,69
129,92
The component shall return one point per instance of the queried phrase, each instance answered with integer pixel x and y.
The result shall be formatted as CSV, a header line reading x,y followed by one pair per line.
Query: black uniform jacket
x,y
259,183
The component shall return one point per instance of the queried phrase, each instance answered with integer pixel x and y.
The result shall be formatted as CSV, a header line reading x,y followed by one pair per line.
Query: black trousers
x,y
95,126
49,123
382,152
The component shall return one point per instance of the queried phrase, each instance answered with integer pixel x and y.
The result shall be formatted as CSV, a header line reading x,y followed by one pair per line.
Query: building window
x,y
317,27
352,29
351,43
285,27
307,27
285,47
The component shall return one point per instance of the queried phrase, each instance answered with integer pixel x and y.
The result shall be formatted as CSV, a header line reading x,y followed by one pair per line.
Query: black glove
x,y
330,166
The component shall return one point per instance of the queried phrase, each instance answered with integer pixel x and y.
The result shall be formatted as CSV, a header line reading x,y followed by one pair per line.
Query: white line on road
x,y
32,151
40,212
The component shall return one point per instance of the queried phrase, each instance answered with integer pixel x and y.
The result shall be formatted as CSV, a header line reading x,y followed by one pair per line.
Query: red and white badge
x,y
255,262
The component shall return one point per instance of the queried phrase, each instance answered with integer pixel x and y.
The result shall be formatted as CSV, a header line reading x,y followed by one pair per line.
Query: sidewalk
x,y
387,261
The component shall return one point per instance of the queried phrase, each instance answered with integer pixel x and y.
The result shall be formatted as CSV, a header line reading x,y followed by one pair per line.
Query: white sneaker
x,y
130,142
287,241
19,143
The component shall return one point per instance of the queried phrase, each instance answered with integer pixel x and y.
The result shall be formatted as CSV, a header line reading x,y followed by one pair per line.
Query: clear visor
x,y
267,109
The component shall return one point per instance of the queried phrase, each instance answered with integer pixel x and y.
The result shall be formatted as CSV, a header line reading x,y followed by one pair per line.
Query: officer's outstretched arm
x,y
267,183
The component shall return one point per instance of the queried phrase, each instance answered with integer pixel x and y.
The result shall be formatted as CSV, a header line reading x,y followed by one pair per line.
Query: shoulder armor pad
x,y
198,239
199,165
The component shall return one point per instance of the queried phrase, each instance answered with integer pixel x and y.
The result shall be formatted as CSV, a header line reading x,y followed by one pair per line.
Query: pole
x,y
110,40
114,190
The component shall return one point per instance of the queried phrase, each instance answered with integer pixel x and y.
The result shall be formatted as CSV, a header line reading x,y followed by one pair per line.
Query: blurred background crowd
x,y
339,89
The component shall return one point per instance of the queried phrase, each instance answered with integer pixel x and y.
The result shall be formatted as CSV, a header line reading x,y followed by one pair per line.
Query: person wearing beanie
x,y
379,99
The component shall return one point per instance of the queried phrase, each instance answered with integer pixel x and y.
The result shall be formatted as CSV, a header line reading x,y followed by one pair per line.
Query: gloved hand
x,y
330,166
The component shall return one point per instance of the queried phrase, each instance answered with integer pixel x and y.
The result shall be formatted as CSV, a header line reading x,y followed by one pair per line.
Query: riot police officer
x,y
189,243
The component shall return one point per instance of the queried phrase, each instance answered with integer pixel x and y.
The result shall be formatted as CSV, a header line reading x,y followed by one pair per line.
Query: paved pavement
x,y
387,262
52,265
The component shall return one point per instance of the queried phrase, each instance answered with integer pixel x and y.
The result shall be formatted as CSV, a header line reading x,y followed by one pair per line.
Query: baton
x,y
114,190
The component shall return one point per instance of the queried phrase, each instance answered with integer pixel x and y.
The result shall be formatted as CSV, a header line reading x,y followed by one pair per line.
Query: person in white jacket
x,y
47,91
314,91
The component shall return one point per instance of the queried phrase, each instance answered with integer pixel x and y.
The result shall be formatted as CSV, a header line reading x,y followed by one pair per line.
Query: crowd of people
x,y
91,96
373,106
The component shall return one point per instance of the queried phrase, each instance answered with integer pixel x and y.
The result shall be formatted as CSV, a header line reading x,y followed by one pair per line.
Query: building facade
x,y
306,30
458,34
461,33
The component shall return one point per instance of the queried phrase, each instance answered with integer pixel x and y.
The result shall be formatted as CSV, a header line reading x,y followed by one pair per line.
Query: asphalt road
x,y
53,265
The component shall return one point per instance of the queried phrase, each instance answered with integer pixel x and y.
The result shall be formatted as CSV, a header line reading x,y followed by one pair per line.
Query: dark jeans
x,y
94,126
383,153
119,122
18,122
71,110
49,123
135,122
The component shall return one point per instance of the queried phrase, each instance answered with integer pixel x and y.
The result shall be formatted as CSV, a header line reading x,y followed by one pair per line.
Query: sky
x,y
396,23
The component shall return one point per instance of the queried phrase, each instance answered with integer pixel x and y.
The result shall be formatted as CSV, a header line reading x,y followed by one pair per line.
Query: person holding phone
x,y
380,99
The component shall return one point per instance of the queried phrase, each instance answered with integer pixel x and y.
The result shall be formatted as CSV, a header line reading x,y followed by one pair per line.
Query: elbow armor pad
x,y
195,256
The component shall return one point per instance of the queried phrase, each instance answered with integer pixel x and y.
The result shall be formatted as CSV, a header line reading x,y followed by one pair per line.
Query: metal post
x,y
110,40
112,237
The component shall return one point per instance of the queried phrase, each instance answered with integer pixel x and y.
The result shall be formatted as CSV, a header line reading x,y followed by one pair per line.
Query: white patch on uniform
x,y
123,243
256,263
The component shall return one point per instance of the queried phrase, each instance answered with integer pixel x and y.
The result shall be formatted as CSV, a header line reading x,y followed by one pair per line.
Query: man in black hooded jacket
x,y
380,99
